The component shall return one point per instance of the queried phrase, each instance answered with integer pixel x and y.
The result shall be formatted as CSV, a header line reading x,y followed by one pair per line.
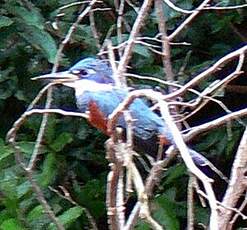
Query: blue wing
x,y
146,123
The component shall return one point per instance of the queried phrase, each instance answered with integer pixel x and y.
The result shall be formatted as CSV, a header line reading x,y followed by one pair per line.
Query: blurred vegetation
x,y
73,155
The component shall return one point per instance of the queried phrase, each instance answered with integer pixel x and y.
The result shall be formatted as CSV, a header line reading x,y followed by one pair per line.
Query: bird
x,y
97,94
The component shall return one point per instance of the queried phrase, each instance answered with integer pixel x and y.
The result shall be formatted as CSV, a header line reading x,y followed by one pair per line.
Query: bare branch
x,y
190,203
41,133
70,32
66,195
239,211
11,135
94,29
214,87
133,34
214,68
174,7
225,7
236,185
119,25
166,58
188,20
195,131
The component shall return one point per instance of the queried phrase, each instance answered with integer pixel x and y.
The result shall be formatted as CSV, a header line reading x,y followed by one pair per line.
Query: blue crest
x,y
103,72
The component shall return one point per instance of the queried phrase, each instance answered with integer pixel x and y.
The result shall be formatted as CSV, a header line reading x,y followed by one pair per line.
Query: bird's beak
x,y
59,77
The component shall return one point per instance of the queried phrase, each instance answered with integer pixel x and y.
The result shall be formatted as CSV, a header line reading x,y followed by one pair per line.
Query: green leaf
x,y
68,217
50,129
26,147
31,16
142,50
5,151
166,213
4,215
142,226
20,95
202,215
62,140
23,188
49,170
41,40
211,139
91,195
174,172
8,183
35,213
5,21
11,224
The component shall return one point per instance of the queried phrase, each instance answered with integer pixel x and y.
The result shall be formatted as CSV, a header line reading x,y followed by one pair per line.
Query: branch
x,y
178,9
35,187
225,7
197,130
166,51
213,88
41,198
188,20
133,34
119,25
70,32
214,68
190,164
237,184
11,135
94,29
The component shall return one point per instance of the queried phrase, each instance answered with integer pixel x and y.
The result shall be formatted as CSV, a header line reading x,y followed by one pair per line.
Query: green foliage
x,y
68,217
11,224
5,21
72,156
59,143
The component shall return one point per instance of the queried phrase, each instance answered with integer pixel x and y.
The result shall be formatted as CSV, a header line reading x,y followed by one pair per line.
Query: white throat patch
x,y
81,86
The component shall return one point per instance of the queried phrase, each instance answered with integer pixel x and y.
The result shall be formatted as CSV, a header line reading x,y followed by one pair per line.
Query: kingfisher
x,y
97,94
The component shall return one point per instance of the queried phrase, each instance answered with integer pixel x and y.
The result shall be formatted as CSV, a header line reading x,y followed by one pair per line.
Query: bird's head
x,y
88,74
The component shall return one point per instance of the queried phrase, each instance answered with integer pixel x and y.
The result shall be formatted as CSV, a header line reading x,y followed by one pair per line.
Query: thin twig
x,y
41,133
239,212
188,20
117,80
176,8
119,25
213,88
225,7
197,130
70,32
35,187
133,34
215,67
11,135
166,58
94,29
41,198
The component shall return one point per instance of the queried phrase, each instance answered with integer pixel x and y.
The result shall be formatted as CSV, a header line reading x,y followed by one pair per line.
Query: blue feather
x,y
146,123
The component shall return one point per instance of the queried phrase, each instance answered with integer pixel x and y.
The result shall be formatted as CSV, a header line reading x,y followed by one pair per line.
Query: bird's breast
x,y
97,117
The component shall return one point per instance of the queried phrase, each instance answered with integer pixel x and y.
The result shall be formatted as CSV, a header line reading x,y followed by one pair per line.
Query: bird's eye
x,y
80,72
83,72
